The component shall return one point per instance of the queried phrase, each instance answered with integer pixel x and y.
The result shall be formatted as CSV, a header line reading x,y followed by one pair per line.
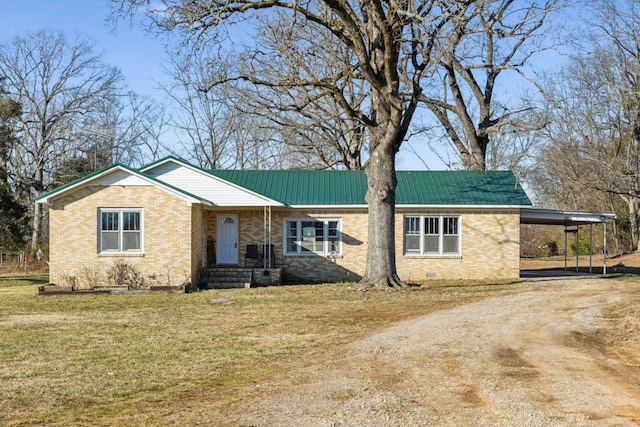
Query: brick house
x,y
171,217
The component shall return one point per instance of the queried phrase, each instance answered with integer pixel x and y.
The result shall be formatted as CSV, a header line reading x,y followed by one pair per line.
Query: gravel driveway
x,y
535,358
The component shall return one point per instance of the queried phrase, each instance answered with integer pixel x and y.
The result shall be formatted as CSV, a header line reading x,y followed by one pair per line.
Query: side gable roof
x,y
301,188
314,187
114,174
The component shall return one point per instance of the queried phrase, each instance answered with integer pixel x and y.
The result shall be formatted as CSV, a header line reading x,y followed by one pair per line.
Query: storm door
x,y
227,239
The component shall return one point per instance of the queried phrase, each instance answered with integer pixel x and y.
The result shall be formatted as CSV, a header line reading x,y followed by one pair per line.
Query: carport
x,y
572,221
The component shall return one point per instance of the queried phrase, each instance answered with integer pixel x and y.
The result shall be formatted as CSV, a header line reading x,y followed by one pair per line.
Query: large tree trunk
x,y
380,271
475,156
634,219
634,216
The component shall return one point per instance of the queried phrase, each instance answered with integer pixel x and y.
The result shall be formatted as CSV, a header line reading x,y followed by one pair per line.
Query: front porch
x,y
228,277
239,237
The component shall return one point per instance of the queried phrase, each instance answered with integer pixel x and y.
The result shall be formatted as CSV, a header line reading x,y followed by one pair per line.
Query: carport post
x,y
565,248
590,246
577,246
604,248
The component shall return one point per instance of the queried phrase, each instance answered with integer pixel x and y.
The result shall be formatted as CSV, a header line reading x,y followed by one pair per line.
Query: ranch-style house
x,y
305,225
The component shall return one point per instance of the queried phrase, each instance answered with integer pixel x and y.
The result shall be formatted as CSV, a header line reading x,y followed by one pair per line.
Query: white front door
x,y
227,239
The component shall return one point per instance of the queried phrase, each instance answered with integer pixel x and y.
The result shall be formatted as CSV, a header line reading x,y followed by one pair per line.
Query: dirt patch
x,y
32,319
511,358
471,395
551,355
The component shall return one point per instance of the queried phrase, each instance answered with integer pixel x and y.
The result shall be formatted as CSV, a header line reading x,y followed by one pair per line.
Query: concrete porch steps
x,y
229,277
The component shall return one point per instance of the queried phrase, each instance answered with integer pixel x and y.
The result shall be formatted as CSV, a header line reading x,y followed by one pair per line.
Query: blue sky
x,y
137,54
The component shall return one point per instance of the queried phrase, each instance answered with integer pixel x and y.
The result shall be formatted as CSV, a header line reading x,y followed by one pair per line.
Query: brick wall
x,y
490,246
198,243
175,235
168,237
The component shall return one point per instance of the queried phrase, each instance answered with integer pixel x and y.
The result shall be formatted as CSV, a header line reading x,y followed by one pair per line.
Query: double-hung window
x,y
432,235
120,230
312,236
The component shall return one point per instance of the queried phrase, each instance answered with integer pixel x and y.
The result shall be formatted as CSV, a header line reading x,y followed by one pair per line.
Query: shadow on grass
x,y
11,279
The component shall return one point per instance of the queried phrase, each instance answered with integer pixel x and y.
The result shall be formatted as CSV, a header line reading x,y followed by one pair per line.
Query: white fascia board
x,y
431,207
154,165
191,199
82,183
565,217
459,207
327,206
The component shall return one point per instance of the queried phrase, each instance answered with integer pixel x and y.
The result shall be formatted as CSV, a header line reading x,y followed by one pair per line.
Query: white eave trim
x,y
404,206
156,183
327,206
531,215
460,207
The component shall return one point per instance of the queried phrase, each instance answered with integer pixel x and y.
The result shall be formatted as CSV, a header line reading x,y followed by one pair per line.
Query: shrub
x,y
69,280
583,248
89,277
124,274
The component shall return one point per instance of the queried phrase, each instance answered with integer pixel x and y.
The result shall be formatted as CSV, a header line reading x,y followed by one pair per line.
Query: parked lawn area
x,y
159,359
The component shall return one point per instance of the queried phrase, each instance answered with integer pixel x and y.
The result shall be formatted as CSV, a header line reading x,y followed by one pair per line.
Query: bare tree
x,y
259,146
492,43
213,129
203,119
313,123
593,151
56,80
620,46
316,132
391,43
123,127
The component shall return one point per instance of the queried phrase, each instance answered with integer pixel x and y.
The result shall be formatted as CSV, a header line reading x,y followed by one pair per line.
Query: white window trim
x,y
325,251
440,253
120,211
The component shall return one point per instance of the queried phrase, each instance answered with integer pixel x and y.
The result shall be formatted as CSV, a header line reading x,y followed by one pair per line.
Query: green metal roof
x,y
326,188
314,187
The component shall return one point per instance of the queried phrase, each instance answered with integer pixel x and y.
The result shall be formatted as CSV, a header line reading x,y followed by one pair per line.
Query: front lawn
x,y
158,359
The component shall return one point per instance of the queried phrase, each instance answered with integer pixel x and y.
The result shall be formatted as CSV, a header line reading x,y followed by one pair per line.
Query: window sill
x,y
315,255
432,256
121,254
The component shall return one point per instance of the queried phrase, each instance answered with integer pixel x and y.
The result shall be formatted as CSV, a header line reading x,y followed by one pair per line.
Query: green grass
x,y
158,359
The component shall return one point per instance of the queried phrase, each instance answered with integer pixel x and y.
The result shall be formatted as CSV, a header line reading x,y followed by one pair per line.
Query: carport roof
x,y
531,215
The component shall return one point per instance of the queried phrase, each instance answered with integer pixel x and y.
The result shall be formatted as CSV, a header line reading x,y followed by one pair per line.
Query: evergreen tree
x,y
13,215
14,221
10,110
